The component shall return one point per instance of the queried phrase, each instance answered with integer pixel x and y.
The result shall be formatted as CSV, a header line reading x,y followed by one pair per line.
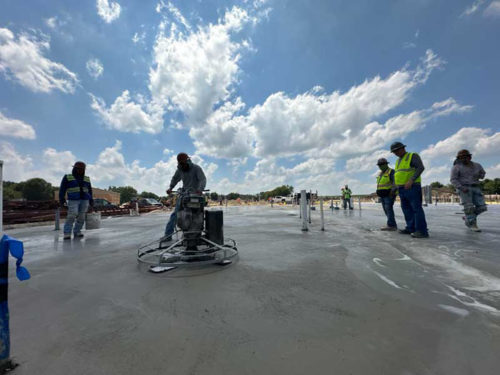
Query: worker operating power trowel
x,y
193,181
201,240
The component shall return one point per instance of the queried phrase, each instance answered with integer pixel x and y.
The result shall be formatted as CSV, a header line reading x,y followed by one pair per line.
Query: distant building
x,y
110,196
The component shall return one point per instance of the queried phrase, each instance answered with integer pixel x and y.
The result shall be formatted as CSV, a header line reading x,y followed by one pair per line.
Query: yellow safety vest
x,y
384,180
403,172
346,194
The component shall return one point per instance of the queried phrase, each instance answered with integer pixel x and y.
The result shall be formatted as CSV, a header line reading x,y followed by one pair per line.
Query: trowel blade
x,y
160,269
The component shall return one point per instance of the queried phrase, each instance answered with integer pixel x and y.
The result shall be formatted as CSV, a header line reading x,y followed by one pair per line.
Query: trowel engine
x,y
190,219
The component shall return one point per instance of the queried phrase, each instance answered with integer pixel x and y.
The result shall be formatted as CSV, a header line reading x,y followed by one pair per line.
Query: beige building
x,y
110,196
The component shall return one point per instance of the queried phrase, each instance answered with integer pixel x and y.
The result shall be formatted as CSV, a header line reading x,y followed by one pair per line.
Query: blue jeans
x,y
388,206
411,204
172,221
473,202
347,201
76,210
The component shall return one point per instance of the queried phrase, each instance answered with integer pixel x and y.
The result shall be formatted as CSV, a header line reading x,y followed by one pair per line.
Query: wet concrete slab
x,y
349,300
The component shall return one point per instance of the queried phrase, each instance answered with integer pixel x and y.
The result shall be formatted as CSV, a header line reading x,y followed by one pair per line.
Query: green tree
x,y
232,196
147,194
283,190
37,189
491,186
214,196
126,192
10,190
436,185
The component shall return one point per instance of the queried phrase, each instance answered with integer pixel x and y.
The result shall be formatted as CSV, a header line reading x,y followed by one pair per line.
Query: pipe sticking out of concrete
x,y
58,218
310,203
322,214
303,207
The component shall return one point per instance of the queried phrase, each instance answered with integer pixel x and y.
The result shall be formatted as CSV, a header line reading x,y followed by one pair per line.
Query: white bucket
x,y
93,220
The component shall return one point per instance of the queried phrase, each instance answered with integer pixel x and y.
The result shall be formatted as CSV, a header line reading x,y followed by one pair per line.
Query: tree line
x,y
37,189
488,186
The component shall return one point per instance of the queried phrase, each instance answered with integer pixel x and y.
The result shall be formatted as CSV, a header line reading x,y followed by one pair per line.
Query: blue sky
x,y
259,93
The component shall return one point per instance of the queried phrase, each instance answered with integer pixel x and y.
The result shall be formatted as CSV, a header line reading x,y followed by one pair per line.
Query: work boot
x,y
466,222
404,231
67,236
474,228
419,235
389,229
79,235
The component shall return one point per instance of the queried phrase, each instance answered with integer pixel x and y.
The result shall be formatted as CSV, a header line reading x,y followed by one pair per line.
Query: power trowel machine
x,y
198,241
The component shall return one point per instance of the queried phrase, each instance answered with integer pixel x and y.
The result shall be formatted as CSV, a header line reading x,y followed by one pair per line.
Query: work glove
x,y
464,189
169,191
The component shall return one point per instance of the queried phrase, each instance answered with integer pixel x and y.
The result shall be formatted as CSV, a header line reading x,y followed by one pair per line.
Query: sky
x,y
259,93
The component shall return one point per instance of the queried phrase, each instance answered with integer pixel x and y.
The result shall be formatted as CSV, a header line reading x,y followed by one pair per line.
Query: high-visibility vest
x,y
403,172
384,180
73,190
346,194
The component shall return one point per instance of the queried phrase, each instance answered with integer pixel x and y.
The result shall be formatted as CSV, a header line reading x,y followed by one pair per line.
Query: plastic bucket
x,y
93,220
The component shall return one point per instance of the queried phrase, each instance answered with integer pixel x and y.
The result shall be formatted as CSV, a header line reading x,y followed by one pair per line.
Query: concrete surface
x,y
350,300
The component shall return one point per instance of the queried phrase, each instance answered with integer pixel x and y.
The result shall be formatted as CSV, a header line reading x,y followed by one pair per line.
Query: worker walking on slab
x,y
465,176
407,178
387,191
193,180
79,190
346,197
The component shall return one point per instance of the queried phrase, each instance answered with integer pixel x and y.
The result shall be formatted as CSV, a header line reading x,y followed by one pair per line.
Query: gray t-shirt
x,y
193,179
463,175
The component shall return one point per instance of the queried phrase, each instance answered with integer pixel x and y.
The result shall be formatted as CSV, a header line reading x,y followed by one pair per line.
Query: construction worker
x,y
387,190
407,178
465,176
346,197
193,180
79,190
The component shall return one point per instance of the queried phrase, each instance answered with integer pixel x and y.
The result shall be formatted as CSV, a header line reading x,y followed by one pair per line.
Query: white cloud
x,y
478,141
407,45
315,123
110,168
51,22
493,10
493,171
174,11
128,116
366,162
94,68
15,128
437,173
15,165
167,151
473,8
139,37
194,72
22,60
108,10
